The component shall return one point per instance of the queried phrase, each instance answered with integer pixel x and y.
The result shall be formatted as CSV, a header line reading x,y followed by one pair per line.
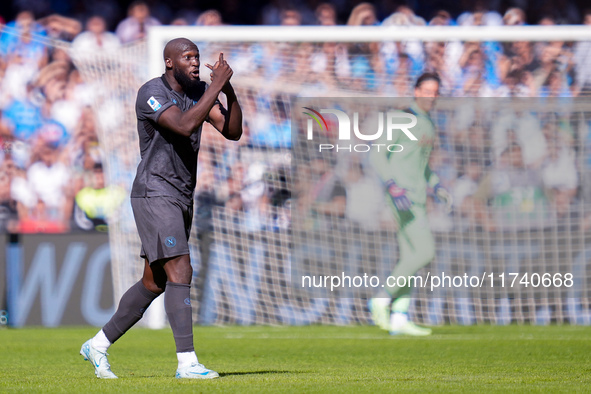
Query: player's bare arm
x,y
227,121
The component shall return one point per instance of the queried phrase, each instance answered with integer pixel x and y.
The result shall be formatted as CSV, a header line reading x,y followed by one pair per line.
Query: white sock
x,y
100,342
186,359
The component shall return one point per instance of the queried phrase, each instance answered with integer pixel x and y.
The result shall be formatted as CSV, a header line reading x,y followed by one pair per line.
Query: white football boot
x,y
102,368
401,325
196,371
380,312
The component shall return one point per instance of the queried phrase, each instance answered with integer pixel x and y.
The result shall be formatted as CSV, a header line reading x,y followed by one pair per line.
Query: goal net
x,y
264,202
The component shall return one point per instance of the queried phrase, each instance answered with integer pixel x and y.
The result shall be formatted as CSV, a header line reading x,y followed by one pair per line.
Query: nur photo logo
x,y
390,122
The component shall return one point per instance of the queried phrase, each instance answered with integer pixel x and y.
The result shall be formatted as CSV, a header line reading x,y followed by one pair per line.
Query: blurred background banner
x,y
58,280
70,151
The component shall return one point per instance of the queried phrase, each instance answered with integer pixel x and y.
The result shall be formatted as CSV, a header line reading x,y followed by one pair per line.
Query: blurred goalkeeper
x,y
407,178
170,112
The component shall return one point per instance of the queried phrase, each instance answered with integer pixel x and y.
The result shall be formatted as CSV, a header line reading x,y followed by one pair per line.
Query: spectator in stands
x,y
466,185
19,42
564,12
364,199
582,60
438,61
363,14
44,195
514,17
8,206
235,203
326,15
83,150
60,27
271,127
270,13
560,176
555,86
522,56
135,26
206,199
479,74
509,195
209,18
366,62
467,137
22,115
548,65
96,38
480,15
328,194
441,18
180,21
94,203
402,81
521,127
412,18
516,84
77,97
413,49
330,66
248,193
291,17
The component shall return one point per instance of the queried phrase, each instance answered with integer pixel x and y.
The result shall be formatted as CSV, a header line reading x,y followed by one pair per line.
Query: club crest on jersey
x,y
154,104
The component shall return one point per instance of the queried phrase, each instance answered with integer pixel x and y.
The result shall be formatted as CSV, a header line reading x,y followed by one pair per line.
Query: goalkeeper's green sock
x,y
401,304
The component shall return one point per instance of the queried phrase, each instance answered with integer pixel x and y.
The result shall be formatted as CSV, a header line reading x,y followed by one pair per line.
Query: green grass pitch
x,y
308,359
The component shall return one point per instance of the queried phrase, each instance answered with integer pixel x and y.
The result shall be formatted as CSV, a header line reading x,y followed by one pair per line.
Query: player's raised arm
x,y
226,121
181,58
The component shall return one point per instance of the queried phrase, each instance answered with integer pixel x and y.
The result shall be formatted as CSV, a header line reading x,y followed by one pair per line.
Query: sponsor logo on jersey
x,y
154,104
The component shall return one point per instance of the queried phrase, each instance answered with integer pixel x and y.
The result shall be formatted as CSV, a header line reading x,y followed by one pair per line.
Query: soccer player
x,y
170,112
407,177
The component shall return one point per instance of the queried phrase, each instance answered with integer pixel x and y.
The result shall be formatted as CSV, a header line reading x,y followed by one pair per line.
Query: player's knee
x,y
154,286
179,270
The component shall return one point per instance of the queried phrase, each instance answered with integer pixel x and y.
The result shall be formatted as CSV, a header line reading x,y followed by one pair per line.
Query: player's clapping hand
x,y
398,194
221,73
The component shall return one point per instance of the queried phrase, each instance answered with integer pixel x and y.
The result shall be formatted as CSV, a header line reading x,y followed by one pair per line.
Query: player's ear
x,y
168,63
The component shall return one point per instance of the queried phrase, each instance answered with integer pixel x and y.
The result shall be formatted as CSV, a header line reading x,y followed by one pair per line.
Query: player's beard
x,y
185,81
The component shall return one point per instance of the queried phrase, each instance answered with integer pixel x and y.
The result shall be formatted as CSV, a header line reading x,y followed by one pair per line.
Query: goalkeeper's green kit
x,y
409,169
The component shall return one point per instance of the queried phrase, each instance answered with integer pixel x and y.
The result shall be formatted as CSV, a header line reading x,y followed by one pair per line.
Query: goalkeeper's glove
x,y
443,196
398,194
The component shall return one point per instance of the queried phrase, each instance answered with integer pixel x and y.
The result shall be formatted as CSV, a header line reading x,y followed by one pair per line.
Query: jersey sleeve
x,y
152,101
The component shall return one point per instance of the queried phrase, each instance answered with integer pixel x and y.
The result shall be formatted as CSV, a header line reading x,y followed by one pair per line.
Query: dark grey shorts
x,y
164,225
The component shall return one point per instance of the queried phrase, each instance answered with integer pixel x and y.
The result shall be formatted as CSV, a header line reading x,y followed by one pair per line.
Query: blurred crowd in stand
x,y
51,163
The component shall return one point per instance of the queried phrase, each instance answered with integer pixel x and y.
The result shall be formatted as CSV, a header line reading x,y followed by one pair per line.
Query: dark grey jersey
x,y
168,164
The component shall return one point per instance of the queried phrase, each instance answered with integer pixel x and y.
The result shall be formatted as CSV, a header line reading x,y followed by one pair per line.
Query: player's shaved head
x,y
181,58
177,46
